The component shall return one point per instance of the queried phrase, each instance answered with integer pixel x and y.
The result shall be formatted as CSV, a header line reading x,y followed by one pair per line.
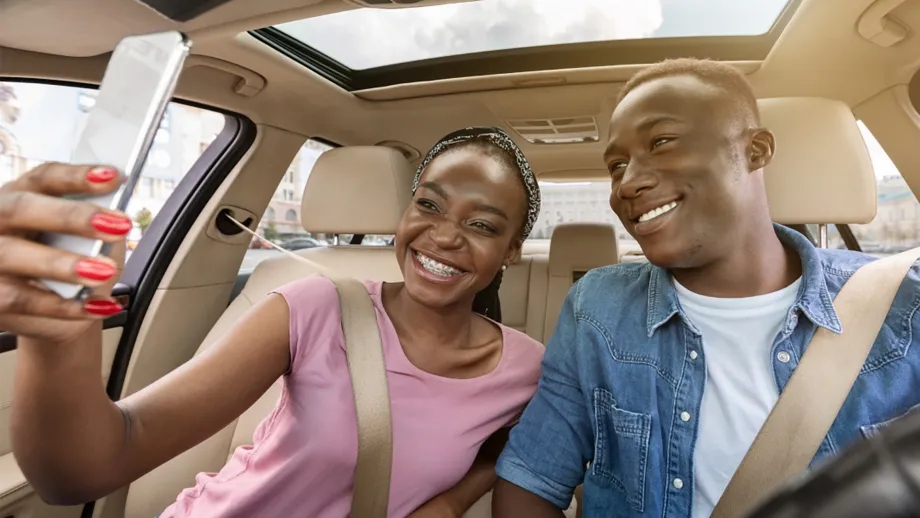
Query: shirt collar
x,y
813,300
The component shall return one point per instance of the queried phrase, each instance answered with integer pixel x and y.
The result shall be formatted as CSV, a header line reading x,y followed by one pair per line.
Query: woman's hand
x,y
35,203
438,507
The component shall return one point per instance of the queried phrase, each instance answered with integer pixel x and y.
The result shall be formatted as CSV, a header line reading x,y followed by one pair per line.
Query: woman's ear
x,y
513,255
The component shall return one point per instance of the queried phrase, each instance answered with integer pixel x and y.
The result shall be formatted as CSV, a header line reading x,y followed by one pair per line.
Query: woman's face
x,y
463,224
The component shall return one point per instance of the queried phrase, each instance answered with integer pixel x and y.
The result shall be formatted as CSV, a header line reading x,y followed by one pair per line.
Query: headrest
x,y
579,247
821,172
357,190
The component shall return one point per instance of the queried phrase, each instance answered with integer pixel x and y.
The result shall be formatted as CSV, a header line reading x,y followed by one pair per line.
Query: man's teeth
x,y
432,266
654,213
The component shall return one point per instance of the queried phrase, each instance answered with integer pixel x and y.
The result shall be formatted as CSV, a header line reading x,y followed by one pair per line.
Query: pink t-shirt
x,y
303,455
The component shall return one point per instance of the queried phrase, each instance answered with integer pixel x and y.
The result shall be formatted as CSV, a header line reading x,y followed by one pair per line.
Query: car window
x,y
280,223
576,202
41,123
281,219
896,226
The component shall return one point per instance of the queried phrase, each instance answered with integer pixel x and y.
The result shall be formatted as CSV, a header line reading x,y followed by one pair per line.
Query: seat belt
x,y
367,369
808,406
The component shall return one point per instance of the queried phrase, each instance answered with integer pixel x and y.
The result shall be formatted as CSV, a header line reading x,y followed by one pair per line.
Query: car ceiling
x,y
820,53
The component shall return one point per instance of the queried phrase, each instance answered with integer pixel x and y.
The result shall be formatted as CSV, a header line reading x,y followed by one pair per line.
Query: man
x,y
659,376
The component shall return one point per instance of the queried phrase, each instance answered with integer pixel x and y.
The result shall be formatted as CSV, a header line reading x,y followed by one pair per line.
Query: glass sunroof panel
x,y
367,38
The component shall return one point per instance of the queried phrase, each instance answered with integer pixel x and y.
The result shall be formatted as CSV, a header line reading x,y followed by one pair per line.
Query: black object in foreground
x,y
877,477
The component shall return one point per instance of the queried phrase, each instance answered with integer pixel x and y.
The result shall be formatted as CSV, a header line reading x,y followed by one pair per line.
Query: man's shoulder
x,y
612,283
627,269
840,265
617,274
899,328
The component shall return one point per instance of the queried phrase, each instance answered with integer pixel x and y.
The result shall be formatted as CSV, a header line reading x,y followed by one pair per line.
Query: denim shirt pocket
x,y
621,448
870,430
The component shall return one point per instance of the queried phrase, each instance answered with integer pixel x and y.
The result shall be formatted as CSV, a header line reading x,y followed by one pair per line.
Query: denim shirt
x,y
625,362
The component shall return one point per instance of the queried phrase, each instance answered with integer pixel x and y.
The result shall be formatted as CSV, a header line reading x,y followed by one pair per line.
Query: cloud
x,y
366,38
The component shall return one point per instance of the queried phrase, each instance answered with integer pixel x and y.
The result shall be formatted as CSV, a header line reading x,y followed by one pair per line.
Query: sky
x,y
882,164
365,38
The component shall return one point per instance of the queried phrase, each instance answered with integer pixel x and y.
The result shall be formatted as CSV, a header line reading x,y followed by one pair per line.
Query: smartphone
x,y
136,88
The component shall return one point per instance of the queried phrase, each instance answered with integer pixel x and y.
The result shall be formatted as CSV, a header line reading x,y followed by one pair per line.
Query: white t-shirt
x,y
740,390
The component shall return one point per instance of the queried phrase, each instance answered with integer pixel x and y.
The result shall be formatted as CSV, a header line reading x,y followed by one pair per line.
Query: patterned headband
x,y
501,140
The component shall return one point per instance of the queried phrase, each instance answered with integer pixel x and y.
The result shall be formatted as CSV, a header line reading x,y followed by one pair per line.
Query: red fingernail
x,y
102,307
94,270
101,175
111,224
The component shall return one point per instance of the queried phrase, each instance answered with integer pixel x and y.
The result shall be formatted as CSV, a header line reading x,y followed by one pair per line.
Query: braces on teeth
x,y
435,267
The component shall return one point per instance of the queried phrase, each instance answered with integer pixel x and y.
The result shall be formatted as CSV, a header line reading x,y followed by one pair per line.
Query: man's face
x,y
678,157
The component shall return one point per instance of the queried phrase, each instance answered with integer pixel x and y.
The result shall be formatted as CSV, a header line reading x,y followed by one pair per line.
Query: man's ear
x,y
763,145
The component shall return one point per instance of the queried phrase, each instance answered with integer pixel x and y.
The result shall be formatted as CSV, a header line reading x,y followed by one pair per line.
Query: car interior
x,y
836,81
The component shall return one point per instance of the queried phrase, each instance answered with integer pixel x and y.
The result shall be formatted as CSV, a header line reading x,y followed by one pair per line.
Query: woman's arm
x,y
478,481
75,445
70,440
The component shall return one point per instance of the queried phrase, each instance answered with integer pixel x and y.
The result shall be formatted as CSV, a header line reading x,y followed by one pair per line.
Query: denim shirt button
x,y
678,483
783,356
694,355
685,416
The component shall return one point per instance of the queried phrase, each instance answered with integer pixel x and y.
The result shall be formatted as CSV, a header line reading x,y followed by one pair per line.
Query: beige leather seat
x,y
523,295
574,249
351,190
821,173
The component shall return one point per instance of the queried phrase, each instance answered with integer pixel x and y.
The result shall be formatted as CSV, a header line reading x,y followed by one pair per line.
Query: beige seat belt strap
x,y
367,368
808,406
364,352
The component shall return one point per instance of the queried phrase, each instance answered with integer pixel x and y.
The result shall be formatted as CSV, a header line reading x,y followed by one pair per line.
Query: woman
x,y
456,377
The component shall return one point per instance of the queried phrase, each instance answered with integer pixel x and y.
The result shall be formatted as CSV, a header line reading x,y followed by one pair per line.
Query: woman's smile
x,y
435,270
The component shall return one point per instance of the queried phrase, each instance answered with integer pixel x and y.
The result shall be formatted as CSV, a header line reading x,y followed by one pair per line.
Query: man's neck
x,y
758,264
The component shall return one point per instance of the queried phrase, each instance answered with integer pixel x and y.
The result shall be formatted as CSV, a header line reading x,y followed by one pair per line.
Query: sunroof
x,y
367,38
367,47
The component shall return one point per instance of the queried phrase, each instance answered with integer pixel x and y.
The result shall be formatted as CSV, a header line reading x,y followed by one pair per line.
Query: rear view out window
x,y
896,226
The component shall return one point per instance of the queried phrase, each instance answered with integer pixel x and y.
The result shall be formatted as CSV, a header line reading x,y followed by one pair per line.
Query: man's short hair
x,y
714,73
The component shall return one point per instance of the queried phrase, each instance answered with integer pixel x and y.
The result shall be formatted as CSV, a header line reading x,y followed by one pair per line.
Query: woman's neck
x,y
414,322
